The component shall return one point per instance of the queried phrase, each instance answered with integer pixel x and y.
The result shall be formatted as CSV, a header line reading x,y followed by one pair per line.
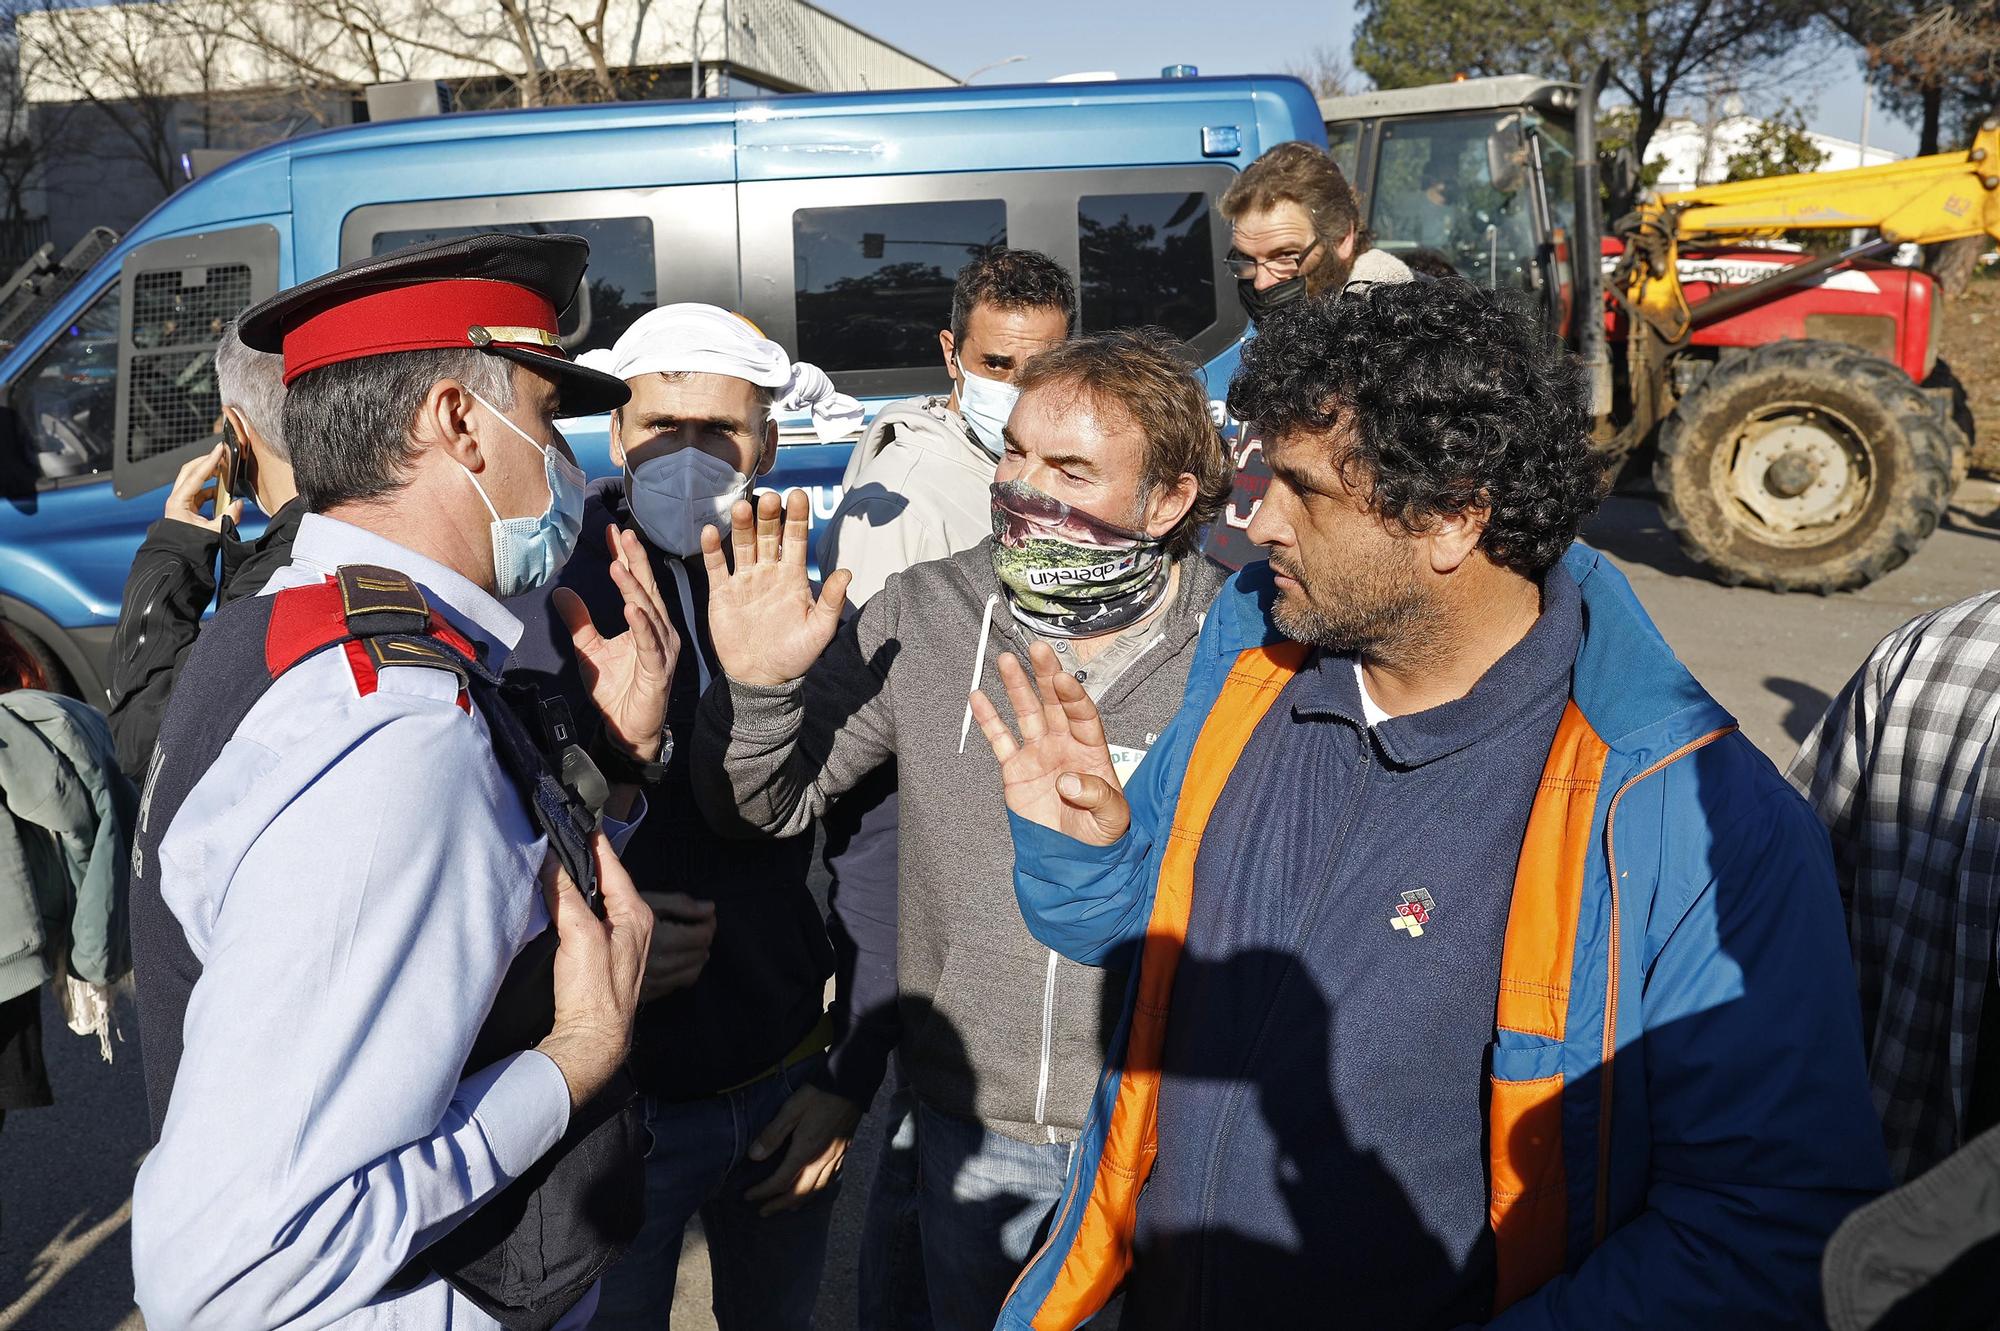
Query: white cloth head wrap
x,y
706,339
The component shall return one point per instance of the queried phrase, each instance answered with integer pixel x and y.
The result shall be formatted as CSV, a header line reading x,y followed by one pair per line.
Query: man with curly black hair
x,y
1486,974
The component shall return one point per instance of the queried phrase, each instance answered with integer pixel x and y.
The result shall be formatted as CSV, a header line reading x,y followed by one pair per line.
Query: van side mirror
x,y
1507,155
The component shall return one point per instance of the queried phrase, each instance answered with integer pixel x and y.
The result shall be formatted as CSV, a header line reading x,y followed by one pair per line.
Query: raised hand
x,y
1059,772
762,617
197,485
628,675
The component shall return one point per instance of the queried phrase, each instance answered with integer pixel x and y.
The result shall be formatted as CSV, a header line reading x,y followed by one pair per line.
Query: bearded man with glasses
x,y
1295,229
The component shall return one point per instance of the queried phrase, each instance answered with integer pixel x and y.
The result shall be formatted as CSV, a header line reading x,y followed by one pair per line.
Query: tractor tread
x,y
1918,453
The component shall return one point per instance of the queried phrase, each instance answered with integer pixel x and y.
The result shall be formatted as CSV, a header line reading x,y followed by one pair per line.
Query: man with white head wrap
x,y
732,1019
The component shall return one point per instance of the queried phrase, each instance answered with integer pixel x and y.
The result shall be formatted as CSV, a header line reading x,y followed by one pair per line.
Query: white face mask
x,y
677,494
529,551
986,404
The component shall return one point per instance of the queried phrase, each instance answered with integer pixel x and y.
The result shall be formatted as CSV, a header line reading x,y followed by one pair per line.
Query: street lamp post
x,y
1010,60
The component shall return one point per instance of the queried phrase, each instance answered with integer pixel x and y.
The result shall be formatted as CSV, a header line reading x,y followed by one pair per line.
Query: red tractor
x,y
1803,433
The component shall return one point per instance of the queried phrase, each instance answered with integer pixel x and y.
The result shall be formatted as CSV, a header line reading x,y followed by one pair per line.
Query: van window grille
x,y
178,317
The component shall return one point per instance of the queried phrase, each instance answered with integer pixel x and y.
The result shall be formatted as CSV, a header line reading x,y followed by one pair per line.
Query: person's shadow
x,y
1344,1221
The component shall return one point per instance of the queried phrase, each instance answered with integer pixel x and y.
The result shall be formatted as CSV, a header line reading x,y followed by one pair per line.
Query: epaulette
x,y
377,616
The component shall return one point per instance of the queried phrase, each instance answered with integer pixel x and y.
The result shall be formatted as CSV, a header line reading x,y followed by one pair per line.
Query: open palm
x,y
1058,773
628,675
762,616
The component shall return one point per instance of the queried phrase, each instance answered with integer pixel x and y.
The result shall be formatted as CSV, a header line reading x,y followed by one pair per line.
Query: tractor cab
x,y
1783,383
1479,174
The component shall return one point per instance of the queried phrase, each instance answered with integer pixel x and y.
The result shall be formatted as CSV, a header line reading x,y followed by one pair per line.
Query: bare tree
x,y
1663,54
133,66
1326,71
29,136
507,52
1950,54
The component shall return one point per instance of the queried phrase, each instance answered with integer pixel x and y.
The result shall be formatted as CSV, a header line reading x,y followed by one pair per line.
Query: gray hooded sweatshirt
x,y
995,1026
917,488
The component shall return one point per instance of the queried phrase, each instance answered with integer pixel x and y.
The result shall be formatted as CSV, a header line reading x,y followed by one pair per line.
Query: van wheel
x,y
51,664
1804,466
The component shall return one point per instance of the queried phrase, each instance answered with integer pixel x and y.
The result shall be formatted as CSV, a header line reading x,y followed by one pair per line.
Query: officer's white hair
x,y
253,382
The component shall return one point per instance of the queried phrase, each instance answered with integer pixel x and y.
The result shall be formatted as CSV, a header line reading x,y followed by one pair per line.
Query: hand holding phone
x,y
203,483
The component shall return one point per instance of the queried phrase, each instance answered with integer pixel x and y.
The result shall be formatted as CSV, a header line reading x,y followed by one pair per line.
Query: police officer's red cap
x,y
495,293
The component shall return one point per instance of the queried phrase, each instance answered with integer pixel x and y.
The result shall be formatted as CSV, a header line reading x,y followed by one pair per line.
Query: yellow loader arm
x,y
1926,201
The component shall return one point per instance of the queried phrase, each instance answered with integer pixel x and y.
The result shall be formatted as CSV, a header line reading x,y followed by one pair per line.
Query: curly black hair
x,y
1448,401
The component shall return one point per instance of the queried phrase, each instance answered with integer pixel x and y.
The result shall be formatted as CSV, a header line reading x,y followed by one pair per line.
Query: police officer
x,y
335,894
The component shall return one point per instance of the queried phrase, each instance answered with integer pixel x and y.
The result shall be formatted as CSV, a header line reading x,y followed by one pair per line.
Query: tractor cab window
x,y
1343,140
1457,186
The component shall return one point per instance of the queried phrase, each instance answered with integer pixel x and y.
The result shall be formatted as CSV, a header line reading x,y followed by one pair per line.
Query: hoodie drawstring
x,y
687,615
978,666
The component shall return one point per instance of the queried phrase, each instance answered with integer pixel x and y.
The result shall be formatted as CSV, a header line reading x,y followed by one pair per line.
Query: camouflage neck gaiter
x,y
1069,574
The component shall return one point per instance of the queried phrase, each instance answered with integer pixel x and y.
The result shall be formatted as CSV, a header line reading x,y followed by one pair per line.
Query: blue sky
x,y
1137,37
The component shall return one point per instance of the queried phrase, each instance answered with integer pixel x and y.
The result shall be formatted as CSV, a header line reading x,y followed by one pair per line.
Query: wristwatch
x,y
621,767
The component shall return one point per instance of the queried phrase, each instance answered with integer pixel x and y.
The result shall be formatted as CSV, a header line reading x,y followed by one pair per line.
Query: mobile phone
x,y
225,479
239,466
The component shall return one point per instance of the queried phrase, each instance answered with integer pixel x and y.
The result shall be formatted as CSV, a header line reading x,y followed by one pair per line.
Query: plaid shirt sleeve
x,y
1900,772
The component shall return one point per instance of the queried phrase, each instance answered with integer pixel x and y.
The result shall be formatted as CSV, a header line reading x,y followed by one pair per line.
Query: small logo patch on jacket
x,y
1414,913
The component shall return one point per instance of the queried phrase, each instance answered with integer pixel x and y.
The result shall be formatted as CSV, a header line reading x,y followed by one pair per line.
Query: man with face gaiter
x,y
1109,467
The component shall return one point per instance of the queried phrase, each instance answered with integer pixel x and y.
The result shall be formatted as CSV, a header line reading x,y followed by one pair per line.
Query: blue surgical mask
x,y
985,404
528,552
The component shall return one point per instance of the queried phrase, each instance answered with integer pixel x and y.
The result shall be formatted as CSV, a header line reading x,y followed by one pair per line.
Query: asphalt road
x,y
66,1172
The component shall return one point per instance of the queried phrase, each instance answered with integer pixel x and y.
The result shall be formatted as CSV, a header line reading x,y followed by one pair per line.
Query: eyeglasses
x,y
1284,267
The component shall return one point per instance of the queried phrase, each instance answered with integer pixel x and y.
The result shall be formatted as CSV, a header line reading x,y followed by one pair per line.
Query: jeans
x,y
765,1270
984,1203
890,1293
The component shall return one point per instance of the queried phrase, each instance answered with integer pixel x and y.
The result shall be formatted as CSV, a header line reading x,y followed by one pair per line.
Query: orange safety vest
x,y
1527,1203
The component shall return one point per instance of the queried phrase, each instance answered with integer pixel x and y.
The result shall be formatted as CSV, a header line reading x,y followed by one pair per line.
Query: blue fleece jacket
x,y
1324,1045
1701,1183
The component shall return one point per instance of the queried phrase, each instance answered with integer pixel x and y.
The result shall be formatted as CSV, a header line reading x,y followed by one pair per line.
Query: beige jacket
x,y
917,488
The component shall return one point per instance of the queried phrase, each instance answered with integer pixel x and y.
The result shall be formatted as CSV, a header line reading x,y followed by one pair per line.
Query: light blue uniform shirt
x,y
355,874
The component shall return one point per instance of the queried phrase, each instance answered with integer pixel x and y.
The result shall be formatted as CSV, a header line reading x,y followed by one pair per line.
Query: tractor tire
x,y
1804,466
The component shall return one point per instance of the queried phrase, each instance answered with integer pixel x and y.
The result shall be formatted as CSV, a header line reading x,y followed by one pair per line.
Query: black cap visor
x,y
582,391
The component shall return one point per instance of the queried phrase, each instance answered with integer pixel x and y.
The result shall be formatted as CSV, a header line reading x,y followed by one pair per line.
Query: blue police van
x,y
836,222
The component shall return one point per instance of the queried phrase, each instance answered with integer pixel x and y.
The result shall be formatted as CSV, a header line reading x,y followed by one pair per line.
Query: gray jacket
x,y
65,842
995,1026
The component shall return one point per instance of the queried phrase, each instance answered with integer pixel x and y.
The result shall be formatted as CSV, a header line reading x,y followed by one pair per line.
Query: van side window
x,y
873,283
178,317
65,406
1146,259
619,287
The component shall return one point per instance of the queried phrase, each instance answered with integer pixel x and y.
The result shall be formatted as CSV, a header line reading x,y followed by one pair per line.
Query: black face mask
x,y
1260,304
